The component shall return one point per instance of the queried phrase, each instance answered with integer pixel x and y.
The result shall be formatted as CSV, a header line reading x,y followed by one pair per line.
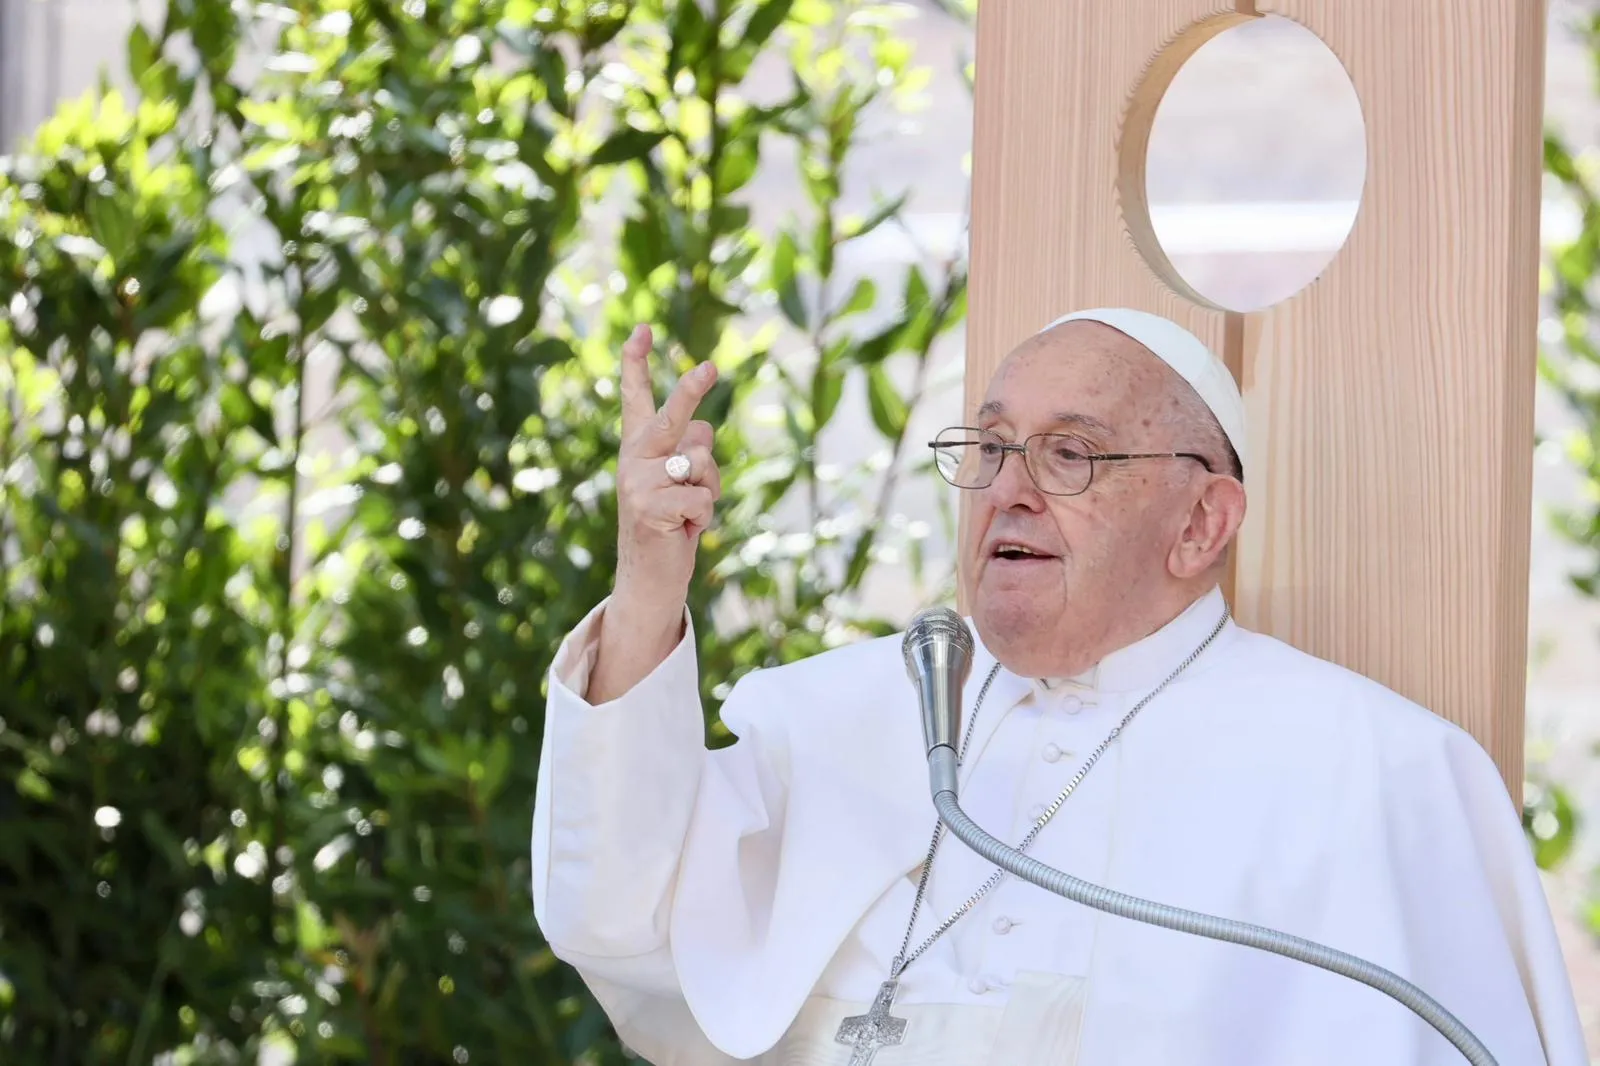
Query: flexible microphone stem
x,y
942,774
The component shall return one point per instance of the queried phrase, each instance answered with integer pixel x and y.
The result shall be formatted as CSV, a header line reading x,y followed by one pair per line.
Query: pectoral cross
x,y
877,1028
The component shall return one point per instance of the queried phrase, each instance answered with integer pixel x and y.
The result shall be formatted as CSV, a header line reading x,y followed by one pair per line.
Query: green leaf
x,y
765,22
691,38
644,246
956,313
34,786
111,223
600,31
736,166
437,759
141,51
889,412
551,66
733,64
739,260
496,764
827,386
242,409
822,186
311,932
625,145
814,12
862,298
1558,160
717,403
734,219
1550,822
785,282
860,559
921,314
878,347
216,33
822,244
879,216
916,290
708,317
551,351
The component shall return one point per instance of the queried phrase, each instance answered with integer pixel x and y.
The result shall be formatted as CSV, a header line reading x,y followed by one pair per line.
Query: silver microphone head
x,y
938,653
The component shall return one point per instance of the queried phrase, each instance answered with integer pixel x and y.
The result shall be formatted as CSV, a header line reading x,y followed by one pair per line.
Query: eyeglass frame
x,y
1021,448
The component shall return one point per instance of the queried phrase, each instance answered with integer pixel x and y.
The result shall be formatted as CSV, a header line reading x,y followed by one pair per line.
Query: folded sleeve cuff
x,y
574,660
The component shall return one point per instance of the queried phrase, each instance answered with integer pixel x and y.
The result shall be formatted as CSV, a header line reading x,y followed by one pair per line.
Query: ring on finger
x,y
678,467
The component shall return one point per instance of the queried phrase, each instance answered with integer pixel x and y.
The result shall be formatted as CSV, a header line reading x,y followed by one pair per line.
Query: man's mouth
x,y
1014,552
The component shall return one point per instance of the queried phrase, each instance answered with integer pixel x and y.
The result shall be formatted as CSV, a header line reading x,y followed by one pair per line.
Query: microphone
x,y
938,653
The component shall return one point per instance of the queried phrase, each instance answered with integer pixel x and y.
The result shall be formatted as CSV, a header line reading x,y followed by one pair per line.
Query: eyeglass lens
x,y
970,459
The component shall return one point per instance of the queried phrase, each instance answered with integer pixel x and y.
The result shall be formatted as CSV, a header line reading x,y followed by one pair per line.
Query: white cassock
x,y
736,905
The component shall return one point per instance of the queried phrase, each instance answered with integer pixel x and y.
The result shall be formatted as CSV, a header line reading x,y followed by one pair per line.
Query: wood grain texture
x,y
1390,404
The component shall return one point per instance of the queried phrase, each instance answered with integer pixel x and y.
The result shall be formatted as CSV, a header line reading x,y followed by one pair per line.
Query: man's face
x,y
1099,557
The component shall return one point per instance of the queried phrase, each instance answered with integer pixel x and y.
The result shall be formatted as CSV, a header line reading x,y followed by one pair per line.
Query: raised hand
x,y
660,517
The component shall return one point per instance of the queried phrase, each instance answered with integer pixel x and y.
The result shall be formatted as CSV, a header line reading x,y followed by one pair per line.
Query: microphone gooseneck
x,y
946,655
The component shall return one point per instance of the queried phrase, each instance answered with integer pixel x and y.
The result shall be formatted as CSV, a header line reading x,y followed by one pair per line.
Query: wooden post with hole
x,y
1390,403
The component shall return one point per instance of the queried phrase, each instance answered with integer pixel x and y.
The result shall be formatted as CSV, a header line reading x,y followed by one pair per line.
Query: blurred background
x,y
308,314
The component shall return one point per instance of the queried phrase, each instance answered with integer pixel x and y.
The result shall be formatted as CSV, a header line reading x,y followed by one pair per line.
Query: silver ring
x,y
678,467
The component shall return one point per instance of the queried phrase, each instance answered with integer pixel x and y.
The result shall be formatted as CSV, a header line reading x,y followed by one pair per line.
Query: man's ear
x,y
1213,523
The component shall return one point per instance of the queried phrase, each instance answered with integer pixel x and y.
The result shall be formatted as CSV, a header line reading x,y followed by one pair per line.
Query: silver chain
x,y
901,959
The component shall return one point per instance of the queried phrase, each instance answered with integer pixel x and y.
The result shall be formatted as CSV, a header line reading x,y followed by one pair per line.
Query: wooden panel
x,y
1391,403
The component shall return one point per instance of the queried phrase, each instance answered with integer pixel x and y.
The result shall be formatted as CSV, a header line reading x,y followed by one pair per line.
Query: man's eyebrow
x,y
996,409
1080,421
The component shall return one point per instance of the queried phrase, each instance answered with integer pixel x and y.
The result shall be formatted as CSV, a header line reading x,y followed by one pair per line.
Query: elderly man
x,y
750,904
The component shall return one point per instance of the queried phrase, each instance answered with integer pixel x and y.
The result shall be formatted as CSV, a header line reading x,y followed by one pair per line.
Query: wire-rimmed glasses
x,y
1058,463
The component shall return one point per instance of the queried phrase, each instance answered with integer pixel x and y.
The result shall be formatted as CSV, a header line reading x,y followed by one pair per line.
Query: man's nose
x,y
1013,486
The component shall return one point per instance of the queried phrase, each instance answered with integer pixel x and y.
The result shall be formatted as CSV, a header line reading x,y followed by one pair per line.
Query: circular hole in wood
x,y
1243,161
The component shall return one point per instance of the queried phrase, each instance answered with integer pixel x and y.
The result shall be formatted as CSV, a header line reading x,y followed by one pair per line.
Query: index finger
x,y
638,400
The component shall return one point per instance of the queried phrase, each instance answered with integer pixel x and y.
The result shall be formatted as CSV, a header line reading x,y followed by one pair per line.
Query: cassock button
x,y
1071,704
1036,812
1051,753
1002,925
978,985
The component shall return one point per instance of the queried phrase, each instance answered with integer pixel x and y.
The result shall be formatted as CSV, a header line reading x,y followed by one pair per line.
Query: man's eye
x,y
988,450
1068,455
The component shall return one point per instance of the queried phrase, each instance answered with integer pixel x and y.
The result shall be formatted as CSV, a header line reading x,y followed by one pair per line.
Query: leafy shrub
x,y
1569,365
309,414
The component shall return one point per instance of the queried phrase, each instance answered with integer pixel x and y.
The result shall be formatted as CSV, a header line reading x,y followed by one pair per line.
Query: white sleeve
x,y
617,791
615,795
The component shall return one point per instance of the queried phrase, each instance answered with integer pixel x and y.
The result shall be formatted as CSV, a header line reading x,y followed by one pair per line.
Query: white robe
x,y
734,905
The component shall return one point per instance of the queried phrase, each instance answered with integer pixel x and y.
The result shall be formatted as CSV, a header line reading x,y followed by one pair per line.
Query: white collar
x,y
1146,663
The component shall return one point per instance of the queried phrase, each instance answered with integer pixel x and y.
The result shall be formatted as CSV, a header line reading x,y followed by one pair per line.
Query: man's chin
x,y
1013,619
1015,647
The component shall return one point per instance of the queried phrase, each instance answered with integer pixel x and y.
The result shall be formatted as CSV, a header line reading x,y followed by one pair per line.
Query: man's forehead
x,y
1080,344
1062,418
1082,373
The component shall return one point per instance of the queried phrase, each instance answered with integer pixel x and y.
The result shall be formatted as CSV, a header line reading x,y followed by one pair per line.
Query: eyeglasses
x,y
971,459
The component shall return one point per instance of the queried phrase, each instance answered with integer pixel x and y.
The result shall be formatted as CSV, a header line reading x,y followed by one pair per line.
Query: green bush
x,y
133,637
1569,365
308,416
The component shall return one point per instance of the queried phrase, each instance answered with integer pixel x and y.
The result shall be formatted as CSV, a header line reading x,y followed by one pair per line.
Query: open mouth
x,y
1018,553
